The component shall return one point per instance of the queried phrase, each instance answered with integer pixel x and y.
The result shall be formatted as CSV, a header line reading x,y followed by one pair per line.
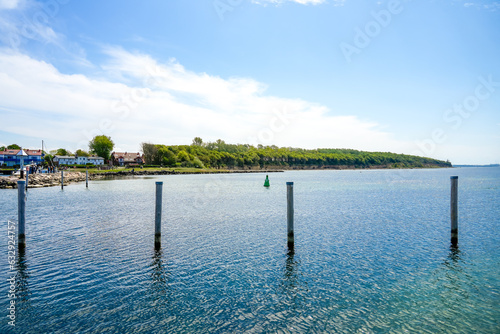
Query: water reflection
x,y
453,256
23,292
159,278
456,280
291,281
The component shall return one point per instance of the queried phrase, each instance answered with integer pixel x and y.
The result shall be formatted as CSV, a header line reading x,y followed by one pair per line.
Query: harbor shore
x,y
52,180
44,180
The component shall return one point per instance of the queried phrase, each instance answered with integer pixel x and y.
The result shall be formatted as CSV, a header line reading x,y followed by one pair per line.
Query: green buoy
x,y
266,182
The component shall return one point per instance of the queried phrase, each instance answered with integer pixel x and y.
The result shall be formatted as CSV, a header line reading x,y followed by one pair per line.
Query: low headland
x,y
220,157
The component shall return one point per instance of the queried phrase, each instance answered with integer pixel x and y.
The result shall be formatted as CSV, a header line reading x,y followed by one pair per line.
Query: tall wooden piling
x,y
159,189
21,211
289,213
87,178
62,179
454,210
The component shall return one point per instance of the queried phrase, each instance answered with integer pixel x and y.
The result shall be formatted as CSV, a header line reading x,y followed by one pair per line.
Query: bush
x,y
197,163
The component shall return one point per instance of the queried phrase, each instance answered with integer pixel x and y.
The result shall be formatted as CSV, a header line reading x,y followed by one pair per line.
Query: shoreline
x,y
53,180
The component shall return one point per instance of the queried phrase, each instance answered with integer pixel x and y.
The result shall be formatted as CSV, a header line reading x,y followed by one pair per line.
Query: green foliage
x,y
197,163
62,151
82,153
48,158
102,146
197,141
13,147
219,154
150,152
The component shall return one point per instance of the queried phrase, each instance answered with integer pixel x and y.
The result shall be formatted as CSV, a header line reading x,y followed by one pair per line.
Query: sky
x,y
414,77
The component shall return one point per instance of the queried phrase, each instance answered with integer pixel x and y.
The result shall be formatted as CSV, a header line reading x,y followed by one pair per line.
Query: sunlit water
x,y
372,255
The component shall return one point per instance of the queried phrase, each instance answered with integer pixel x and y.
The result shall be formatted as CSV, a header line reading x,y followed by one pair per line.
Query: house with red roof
x,y
14,157
126,158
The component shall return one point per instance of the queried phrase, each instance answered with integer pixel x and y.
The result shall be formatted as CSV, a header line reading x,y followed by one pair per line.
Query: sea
x,y
371,254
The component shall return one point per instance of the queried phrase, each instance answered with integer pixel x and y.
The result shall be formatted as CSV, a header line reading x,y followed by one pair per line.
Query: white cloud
x,y
9,4
493,6
143,100
30,23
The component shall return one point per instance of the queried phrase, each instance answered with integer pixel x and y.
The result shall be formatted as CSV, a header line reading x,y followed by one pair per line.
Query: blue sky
x,y
415,77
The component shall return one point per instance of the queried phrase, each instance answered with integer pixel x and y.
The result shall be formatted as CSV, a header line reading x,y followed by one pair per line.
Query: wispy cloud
x,y
493,6
29,23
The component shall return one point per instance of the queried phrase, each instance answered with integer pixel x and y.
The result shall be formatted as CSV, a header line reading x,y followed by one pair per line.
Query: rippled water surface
x,y
372,255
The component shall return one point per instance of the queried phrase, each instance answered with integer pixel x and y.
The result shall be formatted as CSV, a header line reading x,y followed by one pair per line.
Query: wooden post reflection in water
x,y
159,188
289,214
21,211
454,210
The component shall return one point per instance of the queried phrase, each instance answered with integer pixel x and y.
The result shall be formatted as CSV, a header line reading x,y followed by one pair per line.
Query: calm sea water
x,y
372,255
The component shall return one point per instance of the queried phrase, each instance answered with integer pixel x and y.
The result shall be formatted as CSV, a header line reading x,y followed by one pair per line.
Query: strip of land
x,y
52,180
73,175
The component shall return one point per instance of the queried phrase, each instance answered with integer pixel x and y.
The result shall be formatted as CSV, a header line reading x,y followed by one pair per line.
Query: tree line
x,y
219,154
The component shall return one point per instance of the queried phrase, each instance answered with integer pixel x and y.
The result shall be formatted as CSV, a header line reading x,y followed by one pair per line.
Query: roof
x,y
10,152
33,152
25,152
126,156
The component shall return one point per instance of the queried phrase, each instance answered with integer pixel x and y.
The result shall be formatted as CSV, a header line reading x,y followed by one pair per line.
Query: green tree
x,y
62,151
48,158
198,163
82,153
13,147
169,158
102,146
150,152
197,141
183,156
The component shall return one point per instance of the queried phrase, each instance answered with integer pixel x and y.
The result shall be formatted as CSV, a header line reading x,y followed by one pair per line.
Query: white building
x,y
76,160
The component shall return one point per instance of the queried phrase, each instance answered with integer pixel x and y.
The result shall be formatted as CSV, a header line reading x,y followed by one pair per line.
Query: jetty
x,y
45,180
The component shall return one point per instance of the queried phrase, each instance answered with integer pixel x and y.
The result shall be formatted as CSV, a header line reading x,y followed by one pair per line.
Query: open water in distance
x,y
372,255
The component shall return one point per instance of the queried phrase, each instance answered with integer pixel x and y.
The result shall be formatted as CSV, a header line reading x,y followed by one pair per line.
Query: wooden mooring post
x,y
454,210
27,178
289,213
62,179
159,189
21,211
87,178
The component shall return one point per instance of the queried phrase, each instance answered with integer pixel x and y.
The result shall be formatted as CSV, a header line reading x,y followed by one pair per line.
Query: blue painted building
x,y
13,157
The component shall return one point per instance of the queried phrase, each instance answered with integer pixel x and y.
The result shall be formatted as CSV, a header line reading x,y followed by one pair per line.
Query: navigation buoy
x,y
266,182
